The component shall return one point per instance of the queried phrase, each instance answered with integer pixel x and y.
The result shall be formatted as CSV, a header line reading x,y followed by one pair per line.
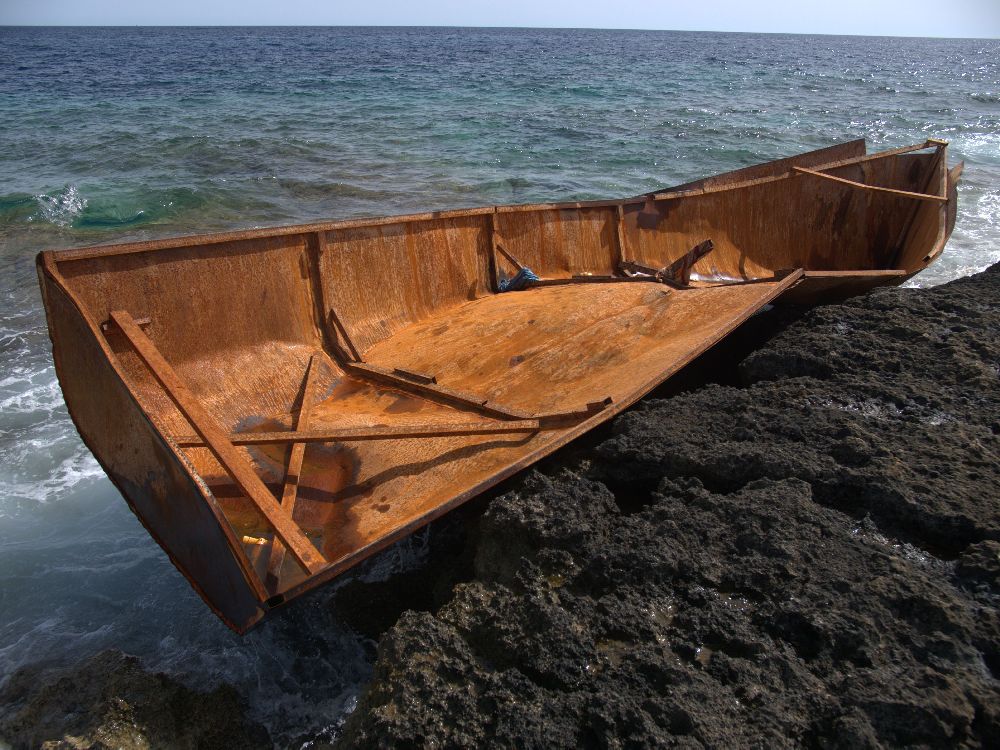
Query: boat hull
x,y
276,405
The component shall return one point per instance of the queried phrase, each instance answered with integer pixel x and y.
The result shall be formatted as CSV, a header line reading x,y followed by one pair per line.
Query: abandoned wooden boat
x,y
278,404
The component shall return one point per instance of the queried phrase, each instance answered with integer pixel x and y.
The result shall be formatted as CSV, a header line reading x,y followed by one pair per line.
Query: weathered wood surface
x,y
292,473
218,443
425,385
876,188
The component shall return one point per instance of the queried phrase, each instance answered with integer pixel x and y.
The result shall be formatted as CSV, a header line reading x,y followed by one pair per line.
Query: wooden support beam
x,y
217,441
557,418
378,432
434,392
417,377
513,261
623,254
498,247
875,188
290,491
680,270
586,280
343,335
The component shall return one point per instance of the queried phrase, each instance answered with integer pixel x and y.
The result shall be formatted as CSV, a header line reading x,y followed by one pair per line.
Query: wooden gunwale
x,y
173,243
874,188
668,195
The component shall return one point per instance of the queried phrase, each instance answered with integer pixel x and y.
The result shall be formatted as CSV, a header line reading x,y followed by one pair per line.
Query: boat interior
x,y
332,387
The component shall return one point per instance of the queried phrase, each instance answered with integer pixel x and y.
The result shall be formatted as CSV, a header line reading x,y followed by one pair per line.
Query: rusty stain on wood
x,y
423,386
294,470
352,434
876,188
217,442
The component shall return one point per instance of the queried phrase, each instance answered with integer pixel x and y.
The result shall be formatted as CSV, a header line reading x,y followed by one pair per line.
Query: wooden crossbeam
x,y
620,227
344,335
217,441
294,470
434,391
498,247
586,280
555,419
351,434
680,270
876,188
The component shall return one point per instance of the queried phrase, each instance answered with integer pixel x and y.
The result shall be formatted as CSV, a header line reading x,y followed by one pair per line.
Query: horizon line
x,y
450,26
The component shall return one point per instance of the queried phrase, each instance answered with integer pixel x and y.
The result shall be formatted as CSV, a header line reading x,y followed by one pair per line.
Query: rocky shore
x,y
803,553
809,558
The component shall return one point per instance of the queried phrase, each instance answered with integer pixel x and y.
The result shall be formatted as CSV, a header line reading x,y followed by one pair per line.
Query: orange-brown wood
x,y
219,444
295,456
352,434
863,186
424,385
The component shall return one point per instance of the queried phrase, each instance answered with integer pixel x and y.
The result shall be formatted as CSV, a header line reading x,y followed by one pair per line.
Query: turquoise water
x,y
115,134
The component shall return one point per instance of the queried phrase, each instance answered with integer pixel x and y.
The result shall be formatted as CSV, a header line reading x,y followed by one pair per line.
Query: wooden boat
x,y
278,404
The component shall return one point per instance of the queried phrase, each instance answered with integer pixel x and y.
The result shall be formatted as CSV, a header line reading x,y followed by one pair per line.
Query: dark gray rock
x,y
809,559
110,701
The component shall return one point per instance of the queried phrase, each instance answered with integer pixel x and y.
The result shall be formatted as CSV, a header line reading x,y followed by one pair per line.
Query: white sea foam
x,y
973,245
61,207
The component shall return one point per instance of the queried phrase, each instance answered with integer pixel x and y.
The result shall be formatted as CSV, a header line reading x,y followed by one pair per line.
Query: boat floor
x,y
545,349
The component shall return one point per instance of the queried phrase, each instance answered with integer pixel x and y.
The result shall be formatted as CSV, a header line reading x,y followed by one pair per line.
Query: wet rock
x,y
809,558
372,607
110,701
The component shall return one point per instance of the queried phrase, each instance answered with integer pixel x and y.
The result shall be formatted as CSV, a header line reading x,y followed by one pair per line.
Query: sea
x,y
113,134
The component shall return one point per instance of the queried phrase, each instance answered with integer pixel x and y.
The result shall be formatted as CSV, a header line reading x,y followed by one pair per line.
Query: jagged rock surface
x,y
810,559
111,702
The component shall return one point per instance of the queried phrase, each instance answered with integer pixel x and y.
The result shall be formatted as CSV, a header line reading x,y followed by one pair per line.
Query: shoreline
x,y
803,553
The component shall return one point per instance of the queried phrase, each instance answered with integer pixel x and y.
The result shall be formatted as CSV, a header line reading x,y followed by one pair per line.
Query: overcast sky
x,y
960,18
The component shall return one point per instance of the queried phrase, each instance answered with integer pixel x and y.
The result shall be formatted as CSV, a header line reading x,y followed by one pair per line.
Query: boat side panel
x,y
381,279
798,222
930,227
558,243
838,152
207,305
202,297
158,488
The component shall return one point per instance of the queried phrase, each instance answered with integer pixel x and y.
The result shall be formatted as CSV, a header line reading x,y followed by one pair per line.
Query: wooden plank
x,y
690,192
585,280
876,188
376,432
252,234
496,238
435,392
290,491
218,443
342,333
623,254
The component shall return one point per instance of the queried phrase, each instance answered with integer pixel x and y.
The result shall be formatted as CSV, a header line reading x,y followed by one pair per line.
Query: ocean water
x,y
120,134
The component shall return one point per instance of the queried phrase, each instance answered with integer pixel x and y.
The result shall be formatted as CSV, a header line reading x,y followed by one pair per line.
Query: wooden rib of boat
x,y
278,404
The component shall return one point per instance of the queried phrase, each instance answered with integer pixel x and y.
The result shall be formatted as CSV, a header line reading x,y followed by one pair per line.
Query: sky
x,y
953,18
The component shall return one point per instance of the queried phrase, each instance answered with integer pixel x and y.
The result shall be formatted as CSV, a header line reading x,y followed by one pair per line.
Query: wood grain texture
x,y
296,454
425,385
863,186
218,443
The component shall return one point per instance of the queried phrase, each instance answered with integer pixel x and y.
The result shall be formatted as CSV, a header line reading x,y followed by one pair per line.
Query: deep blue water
x,y
113,134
